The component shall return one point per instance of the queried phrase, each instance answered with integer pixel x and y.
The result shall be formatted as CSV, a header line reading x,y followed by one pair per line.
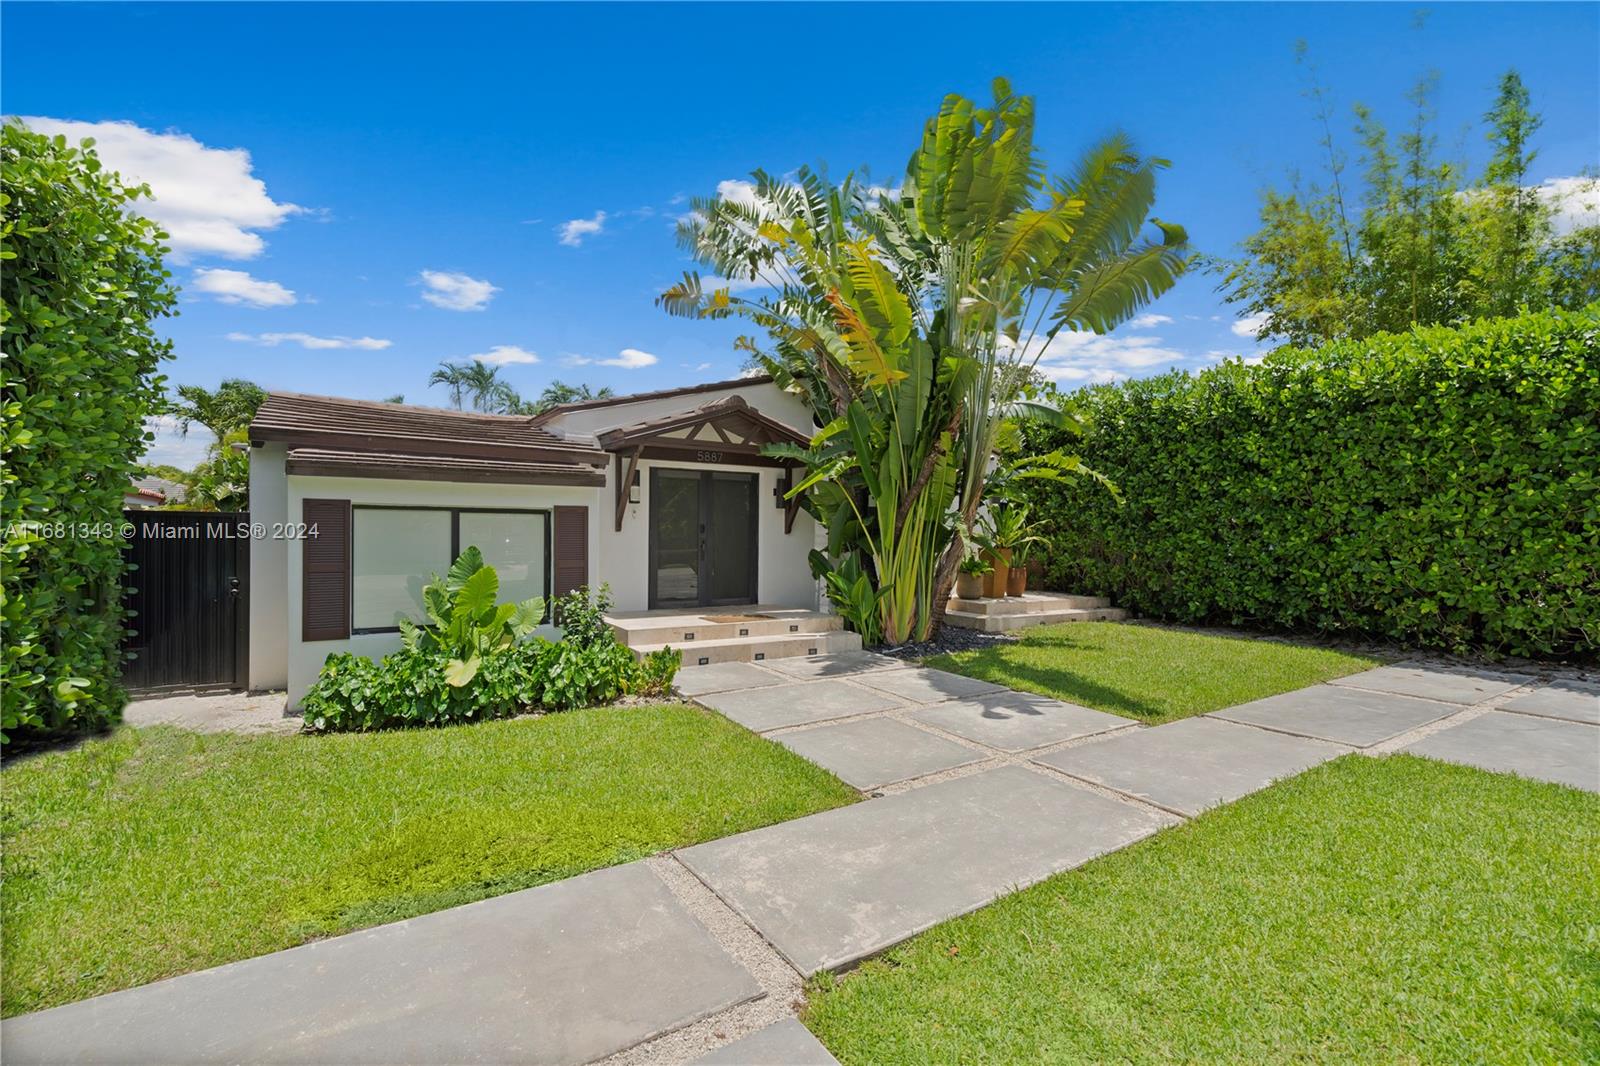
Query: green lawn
x,y
155,851
1149,673
1393,910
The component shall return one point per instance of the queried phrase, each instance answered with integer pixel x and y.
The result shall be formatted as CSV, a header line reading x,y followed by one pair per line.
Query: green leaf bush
x,y
81,282
1439,487
477,660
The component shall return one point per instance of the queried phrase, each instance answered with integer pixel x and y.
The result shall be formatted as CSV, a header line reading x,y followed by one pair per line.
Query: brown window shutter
x,y
325,571
571,546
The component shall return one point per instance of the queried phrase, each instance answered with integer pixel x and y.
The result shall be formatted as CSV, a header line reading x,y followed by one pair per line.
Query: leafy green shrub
x,y
81,284
477,660
1437,487
464,621
656,671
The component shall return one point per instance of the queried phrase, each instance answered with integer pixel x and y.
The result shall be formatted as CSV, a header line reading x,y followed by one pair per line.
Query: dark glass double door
x,y
702,538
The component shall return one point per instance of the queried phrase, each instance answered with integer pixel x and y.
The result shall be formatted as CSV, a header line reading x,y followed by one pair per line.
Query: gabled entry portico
x,y
703,521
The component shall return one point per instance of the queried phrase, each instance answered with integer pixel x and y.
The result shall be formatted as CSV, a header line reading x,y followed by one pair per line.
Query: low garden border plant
x,y
478,659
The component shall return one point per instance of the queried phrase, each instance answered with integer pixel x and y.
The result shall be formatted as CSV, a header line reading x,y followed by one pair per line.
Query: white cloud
x,y
504,355
737,192
238,287
627,359
456,292
307,340
1249,326
207,199
1576,202
574,231
1080,358
1149,321
1079,375
171,447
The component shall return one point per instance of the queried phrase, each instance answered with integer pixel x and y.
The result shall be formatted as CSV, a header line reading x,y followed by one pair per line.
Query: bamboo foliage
x,y
913,321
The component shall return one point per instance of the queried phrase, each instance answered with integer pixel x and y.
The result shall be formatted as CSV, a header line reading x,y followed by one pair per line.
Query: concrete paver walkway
x,y
1545,749
835,887
1356,717
564,973
1190,765
647,963
870,752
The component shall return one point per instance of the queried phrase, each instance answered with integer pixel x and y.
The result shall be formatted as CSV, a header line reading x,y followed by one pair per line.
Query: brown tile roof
x,y
329,463
349,426
662,394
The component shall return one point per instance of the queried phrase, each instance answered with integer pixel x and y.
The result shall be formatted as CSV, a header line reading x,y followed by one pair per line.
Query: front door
x,y
702,538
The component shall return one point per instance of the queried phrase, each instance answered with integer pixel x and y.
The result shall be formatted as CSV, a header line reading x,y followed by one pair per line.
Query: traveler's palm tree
x,y
916,319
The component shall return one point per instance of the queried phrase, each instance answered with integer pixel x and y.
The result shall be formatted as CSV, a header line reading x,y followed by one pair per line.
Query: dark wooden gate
x,y
190,598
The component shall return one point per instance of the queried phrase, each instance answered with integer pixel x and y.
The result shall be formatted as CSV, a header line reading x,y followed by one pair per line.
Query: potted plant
x,y
1010,534
970,575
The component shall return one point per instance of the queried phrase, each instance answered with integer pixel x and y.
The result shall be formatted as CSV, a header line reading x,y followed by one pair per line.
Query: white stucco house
x,y
665,496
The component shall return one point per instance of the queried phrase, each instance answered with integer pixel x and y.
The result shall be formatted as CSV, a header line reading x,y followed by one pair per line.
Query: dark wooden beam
x,y
625,483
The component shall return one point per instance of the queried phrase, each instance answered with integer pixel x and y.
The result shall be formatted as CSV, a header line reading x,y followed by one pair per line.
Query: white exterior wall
x,y
269,570
305,658
783,572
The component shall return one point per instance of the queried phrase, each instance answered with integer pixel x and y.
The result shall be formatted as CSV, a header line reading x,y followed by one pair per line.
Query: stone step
x,y
698,628
1029,603
757,649
1006,623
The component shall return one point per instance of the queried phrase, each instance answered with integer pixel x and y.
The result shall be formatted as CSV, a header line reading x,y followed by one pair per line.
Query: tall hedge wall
x,y
81,280
1440,487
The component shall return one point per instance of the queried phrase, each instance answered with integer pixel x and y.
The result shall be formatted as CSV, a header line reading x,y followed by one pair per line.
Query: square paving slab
x,y
800,703
785,1043
1017,721
1575,701
1192,764
1353,716
565,973
1545,749
723,677
845,664
877,751
919,684
836,887
1449,686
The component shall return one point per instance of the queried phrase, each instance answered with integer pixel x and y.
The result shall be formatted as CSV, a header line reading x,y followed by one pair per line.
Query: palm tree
x,y
452,376
230,407
914,322
559,392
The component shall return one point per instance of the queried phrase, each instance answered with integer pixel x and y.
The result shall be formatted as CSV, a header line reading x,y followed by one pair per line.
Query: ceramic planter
x,y
1016,581
969,586
994,582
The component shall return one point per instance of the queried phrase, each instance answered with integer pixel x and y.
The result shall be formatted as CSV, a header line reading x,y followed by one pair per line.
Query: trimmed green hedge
x,y
1440,487
81,281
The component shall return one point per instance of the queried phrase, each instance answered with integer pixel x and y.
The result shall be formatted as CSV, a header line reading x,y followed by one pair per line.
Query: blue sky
x,y
323,162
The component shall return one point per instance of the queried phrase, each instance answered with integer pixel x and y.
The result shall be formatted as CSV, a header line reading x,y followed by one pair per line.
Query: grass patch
x,y
155,851
1393,910
1156,675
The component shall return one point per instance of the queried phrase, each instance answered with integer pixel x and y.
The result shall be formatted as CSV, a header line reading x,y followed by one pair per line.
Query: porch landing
x,y
738,634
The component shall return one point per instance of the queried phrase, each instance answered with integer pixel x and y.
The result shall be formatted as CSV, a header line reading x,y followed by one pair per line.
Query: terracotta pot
x,y
1016,581
994,582
969,586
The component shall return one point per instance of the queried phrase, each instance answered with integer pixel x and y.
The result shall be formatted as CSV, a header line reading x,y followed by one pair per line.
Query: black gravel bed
x,y
945,639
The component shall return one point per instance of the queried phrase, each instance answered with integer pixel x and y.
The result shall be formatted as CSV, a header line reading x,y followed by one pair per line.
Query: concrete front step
x,y
676,626
1029,603
1006,623
757,649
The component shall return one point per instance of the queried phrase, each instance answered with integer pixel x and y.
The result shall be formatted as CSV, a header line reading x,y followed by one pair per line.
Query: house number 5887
x,y
708,457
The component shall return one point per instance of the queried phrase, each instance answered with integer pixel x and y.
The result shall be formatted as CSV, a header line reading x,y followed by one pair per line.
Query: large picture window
x,y
394,551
